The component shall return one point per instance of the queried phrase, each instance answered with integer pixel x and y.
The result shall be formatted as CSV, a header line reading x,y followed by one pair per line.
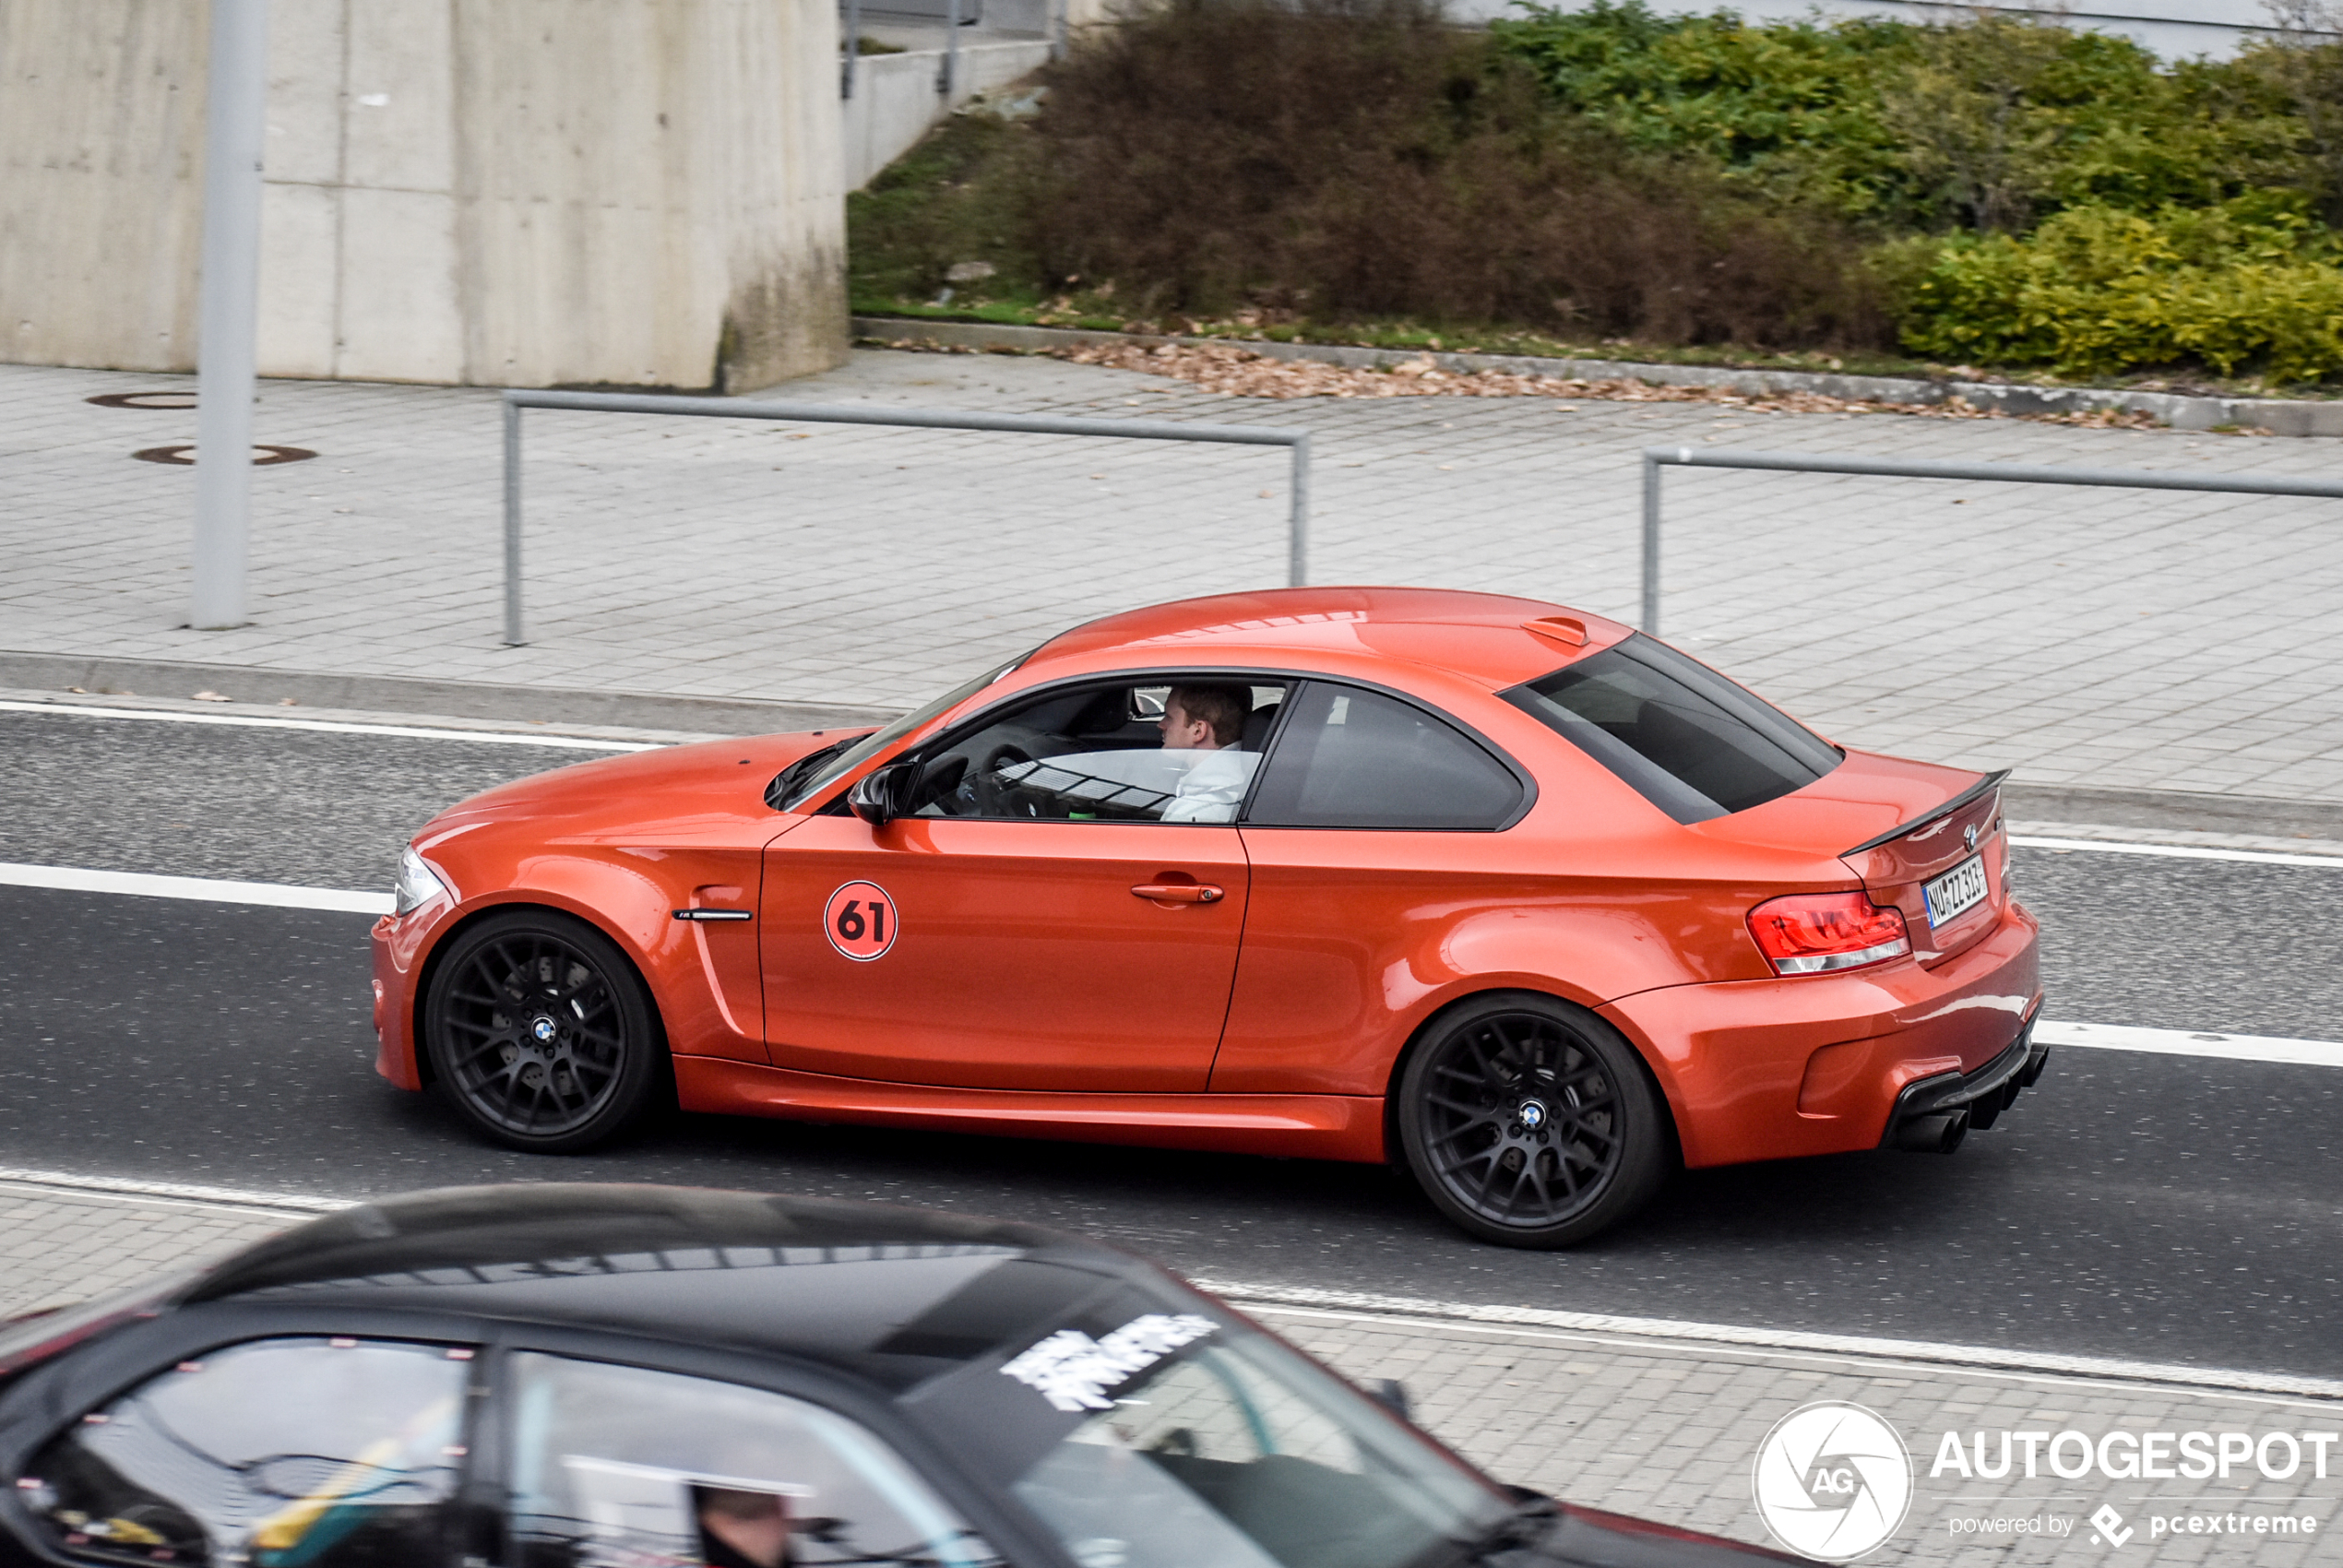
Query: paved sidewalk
x,y
2139,639
1665,1428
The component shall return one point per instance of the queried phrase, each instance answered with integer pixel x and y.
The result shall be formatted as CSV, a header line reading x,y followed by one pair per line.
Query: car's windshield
x,y
1175,1439
1689,741
792,790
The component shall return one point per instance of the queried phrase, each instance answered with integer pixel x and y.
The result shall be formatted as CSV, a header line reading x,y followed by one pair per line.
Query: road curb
x,y
2174,809
1676,1335
400,693
1687,1336
2278,416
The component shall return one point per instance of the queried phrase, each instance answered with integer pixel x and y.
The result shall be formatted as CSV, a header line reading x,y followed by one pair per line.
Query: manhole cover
x,y
262,456
143,399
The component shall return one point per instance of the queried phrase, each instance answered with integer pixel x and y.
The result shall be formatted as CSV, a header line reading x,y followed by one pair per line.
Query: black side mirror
x,y
1392,1394
884,793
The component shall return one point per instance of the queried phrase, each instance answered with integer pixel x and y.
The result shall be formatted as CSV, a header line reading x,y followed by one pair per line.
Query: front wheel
x,y
1530,1122
543,1033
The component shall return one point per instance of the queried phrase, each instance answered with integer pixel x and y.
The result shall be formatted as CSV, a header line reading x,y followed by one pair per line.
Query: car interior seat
x,y
1257,725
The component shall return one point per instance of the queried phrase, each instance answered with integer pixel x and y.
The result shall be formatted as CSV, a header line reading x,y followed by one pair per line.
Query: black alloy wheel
x,y
1531,1122
543,1032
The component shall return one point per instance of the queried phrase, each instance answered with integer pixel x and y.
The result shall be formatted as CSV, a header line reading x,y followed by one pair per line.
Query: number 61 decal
x,y
860,921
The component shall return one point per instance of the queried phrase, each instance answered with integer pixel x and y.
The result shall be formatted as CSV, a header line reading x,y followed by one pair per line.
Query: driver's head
x,y
749,1527
1205,717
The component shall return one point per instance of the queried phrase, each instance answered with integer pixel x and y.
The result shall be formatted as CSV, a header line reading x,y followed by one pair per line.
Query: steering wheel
x,y
993,792
945,790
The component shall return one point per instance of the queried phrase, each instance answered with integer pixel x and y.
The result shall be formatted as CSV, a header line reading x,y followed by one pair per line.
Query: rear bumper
x,y
1933,1115
1817,1064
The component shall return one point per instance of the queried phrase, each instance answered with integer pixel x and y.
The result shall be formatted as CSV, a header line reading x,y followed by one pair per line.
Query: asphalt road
x,y
2178,1209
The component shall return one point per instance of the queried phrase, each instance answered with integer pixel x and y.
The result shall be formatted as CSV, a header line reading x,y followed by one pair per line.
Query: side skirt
x,y
1309,1126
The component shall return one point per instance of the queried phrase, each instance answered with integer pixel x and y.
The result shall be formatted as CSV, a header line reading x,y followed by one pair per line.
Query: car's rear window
x,y
1690,742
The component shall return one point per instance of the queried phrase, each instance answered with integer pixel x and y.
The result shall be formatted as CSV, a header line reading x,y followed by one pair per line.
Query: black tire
x,y
543,1033
1530,1122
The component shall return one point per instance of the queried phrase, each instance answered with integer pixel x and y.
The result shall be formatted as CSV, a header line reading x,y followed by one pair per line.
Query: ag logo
x,y
860,921
1832,1481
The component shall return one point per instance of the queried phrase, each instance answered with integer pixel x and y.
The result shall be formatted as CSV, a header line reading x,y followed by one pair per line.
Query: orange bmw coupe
x,y
1511,894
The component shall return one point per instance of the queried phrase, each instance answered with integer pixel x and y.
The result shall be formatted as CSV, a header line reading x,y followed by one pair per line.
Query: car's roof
x,y
1483,636
892,1294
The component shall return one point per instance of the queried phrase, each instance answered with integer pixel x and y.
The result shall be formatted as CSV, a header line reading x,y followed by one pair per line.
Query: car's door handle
x,y
1178,892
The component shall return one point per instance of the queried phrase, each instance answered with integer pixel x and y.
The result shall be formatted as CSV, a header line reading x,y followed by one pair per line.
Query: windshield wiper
x,y
779,789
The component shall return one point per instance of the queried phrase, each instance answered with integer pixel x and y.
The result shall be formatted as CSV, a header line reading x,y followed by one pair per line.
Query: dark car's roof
x,y
894,1294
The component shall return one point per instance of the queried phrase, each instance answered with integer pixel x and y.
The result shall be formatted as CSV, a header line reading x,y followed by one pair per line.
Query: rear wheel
x,y
1531,1122
541,1032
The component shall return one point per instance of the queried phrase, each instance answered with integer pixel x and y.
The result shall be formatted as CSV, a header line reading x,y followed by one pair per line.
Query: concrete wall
x,y
2173,29
493,192
894,99
100,160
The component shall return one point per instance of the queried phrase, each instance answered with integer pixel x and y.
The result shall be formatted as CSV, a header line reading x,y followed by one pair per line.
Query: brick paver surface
x,y
2114,637
1664,1428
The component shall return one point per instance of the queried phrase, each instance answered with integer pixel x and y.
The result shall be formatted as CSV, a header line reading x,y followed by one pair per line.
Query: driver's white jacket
x,y
1212,786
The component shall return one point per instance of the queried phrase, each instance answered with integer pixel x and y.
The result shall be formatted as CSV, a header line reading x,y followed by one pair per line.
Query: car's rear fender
x,y
1431,1025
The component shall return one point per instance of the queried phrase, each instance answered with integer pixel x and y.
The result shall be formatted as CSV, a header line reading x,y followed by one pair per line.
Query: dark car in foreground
x,y
645,1377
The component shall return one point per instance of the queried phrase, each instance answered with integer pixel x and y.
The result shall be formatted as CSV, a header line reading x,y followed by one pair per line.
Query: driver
x,y
1207,718
743,1529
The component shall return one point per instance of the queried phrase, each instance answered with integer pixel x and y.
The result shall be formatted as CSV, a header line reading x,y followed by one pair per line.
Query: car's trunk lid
x,y
1899,827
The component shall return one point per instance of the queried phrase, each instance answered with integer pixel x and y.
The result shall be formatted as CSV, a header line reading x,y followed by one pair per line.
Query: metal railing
x,y
1297,441
1656,458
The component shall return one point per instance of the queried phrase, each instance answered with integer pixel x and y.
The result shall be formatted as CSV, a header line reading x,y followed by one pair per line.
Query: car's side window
x,y
1184,751
294,1453
1351,757
616,1465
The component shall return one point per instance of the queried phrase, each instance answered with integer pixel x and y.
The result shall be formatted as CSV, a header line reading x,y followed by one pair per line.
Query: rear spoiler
x,y
1986,785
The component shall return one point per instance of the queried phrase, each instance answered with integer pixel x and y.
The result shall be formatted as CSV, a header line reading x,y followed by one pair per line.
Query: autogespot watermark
x,y
1835,1482
1832,1481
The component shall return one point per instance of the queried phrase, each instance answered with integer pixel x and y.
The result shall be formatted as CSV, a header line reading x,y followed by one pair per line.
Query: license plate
x,y
1956,892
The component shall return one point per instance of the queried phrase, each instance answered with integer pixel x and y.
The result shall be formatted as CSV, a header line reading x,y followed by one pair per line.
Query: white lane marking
x,y
204,889
1606,1327
2179,851
359,902
1409,1311
407,731
2193,1043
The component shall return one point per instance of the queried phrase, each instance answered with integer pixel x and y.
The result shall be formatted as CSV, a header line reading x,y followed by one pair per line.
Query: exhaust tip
x,y
1941,1134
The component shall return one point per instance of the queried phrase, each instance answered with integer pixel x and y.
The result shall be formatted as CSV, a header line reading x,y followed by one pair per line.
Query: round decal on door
x,y
860,921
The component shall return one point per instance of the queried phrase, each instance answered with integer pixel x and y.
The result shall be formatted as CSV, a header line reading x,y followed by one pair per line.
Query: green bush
x,y
1978,123
1337,161
2095,291
1994,191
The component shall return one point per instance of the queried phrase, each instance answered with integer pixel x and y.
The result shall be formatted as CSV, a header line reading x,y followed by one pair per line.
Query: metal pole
x,y
513,636
235,124
515,400
1297,569
853,44
1650,620
949,81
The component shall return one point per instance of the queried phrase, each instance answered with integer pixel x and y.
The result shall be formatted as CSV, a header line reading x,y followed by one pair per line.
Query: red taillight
x,y
1810,933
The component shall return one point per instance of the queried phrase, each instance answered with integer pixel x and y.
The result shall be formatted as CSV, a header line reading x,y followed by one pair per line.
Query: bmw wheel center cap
x,y
544,1029
1533,1114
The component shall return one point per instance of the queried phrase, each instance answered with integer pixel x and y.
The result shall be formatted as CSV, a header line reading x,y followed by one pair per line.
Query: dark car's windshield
x,y
1150,1436
1692,742
798,781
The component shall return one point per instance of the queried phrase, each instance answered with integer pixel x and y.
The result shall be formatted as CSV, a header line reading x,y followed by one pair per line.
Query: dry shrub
x,y
1337,157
